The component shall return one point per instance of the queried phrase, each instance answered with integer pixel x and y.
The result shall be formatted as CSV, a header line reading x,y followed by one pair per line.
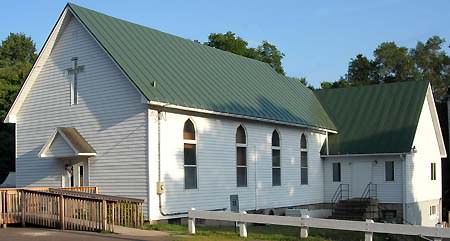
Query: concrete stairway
x,y
356,209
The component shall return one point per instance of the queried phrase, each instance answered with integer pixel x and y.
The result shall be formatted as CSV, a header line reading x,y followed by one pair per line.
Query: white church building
x,y
145,114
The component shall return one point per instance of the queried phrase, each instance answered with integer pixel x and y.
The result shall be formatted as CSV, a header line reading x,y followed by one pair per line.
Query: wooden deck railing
x,y
68,209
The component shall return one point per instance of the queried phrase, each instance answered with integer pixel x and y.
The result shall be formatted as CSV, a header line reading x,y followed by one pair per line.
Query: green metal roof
x,y
192,75
374,119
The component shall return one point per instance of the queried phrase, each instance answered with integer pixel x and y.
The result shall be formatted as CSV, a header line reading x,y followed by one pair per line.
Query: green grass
x,y
267,232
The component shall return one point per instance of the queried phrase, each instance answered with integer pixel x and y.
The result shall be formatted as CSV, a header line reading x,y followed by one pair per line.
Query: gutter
x,y
178,107
362,155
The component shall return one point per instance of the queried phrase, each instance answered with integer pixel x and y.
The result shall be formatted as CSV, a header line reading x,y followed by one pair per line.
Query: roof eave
x,y
204,111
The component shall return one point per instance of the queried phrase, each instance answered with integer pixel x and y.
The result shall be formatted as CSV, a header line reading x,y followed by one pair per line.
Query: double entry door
x,y
75,174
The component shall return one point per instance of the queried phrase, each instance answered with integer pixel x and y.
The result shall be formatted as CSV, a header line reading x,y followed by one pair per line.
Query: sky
x,y
318,38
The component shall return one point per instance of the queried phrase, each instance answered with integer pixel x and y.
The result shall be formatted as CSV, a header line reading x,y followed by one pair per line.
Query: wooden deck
x,y
69,208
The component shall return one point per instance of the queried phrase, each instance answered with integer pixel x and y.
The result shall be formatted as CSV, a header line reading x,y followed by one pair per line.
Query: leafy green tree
x,y
391,63
341,83
362,71
17,54
265,52
394,63
433,64
304,82
269,53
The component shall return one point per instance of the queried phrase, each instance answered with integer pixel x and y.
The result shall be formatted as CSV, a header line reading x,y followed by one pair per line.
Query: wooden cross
x,y
74,85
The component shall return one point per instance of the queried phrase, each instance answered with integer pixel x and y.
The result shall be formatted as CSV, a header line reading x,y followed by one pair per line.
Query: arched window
x,y
190,157
241,157
276,159
303,160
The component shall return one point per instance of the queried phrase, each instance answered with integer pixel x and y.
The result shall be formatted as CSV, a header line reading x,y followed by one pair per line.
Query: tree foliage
x,y
392,63
17,55
265,52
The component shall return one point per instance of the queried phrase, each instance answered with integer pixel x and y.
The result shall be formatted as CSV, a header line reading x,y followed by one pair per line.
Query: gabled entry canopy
x,y
66,142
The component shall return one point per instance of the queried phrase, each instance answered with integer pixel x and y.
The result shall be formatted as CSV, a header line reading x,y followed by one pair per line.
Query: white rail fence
x,y
304,223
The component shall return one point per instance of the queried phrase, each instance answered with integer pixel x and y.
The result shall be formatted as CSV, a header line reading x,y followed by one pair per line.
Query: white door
x,y
361,176
75,175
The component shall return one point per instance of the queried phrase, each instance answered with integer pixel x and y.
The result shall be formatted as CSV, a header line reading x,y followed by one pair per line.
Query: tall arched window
x,y
303,160
276,159
190,157
241,157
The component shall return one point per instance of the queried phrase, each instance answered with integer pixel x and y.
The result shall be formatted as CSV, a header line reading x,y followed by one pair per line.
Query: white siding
x,y
387,191
110,116
59,147
217,165
420,187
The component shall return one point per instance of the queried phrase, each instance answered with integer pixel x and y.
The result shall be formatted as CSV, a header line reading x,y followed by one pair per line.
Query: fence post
x,y
104,214
191,221
304,229
438,226
243,227
368,236
23,206
61,211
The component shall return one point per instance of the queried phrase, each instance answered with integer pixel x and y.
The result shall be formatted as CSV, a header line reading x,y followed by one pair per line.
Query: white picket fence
x,y
368,227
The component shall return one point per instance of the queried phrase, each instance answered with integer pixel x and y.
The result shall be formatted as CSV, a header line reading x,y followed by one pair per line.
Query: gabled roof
x,y
374,119
73,140
171,70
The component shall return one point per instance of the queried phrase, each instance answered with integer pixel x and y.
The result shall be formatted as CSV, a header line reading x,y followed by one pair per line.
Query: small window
x,y
276,159
241,157
190,156
433,210
433,171
336,172
389,171
303,160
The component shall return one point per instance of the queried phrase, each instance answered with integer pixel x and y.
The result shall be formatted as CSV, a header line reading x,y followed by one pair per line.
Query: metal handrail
x,y
341,192
370,191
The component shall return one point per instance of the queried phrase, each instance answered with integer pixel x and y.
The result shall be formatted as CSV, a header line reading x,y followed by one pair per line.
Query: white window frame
x,y
192,142
433,210
305,150
393,171
340,171
433,171
271,152
242,145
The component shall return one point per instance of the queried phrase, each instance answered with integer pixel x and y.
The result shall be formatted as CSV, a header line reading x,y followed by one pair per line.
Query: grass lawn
x,y
267,232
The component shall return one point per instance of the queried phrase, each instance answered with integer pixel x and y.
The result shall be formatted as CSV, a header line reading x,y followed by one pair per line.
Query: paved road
x,y
37,234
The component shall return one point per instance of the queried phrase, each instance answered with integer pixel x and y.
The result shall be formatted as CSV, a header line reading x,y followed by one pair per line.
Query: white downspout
x,y
403,158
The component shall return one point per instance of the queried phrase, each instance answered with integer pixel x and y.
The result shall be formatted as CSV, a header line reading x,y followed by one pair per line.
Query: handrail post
x,y
304,228
438,226
104,214
191,221
243,227
23,206
61,211
368,236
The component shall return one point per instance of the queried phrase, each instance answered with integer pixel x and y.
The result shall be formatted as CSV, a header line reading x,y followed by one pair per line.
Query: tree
x,y
270,54
341,83
394,63
433,64
265,52
304,82
362,71
391,63
17,54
